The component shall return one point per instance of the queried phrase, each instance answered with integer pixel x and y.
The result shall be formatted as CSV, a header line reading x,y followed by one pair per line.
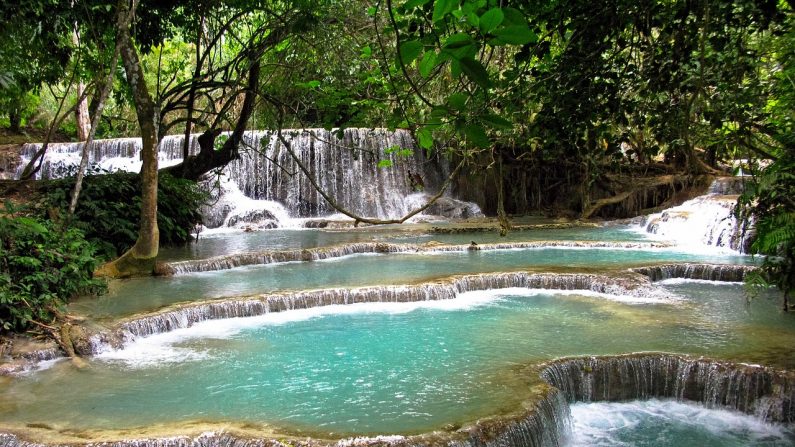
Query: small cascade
x,y
727,186
316,254
630,284
546,424
230,208
707,272
763,392
705,221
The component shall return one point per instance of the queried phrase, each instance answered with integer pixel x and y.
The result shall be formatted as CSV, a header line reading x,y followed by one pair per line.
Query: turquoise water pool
x,y
145,294
386,368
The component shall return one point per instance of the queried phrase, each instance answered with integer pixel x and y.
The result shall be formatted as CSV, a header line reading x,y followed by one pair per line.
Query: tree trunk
x,y
208,158
15,120
81,115
140,259
92,129
82,118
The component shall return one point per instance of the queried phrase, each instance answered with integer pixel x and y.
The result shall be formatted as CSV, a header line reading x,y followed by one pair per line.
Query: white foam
x,y
611,424
663,298
703,225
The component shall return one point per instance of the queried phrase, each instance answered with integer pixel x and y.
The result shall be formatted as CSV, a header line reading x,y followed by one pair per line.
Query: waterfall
x,y
763,392
117,154
226,262
629,284
706,220
546,423
707,272
347,166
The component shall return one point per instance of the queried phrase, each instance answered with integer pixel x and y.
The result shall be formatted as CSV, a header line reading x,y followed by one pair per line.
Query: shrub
x,y
108,211
41,268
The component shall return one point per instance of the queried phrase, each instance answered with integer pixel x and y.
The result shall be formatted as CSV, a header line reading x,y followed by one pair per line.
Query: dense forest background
x,y
589,109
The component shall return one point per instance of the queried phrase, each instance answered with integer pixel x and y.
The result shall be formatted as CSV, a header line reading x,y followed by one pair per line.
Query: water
x,y
221,243
669,423
144,294
705,221
384,368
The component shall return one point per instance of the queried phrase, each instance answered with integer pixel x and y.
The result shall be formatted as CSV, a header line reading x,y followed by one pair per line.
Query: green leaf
x,y
476,72
497,121
457,101
491,19
367,52
32,225
410,50
514,17
442,7
473,19
460,45
515,35
455,68
385,164
428,63
425,138
458,40
436,117
476,135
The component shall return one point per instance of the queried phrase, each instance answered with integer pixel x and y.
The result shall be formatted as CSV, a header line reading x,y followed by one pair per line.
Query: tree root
x,y
634,188
127,266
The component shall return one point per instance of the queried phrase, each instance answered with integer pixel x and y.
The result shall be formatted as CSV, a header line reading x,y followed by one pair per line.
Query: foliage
x,y
770,203
109,209
41,268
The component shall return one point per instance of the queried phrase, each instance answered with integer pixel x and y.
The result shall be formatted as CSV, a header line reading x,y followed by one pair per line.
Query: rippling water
x,y
385,368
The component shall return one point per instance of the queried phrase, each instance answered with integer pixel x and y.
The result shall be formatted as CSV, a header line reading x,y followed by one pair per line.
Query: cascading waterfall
x,y
706,220
545,424
763,392
117,154
707,272
345,166
316,254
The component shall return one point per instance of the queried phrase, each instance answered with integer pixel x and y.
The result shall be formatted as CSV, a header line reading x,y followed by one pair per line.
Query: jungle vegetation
x,y
557,105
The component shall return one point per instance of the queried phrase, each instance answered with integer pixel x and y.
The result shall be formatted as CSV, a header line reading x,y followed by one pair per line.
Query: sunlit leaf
x,y
443,7
428,63
491,19
425,138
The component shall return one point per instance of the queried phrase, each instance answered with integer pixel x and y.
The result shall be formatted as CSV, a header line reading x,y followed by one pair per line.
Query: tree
x,y
140,259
